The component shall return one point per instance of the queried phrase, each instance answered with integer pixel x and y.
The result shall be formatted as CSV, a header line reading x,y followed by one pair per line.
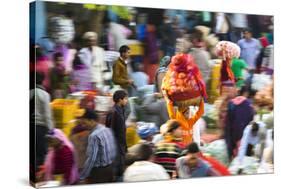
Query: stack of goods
x,y
214,90
227,51
264,97
61,30
64,113
183,83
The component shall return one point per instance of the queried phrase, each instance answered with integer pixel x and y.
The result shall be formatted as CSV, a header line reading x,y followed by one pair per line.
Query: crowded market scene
x,y
127,94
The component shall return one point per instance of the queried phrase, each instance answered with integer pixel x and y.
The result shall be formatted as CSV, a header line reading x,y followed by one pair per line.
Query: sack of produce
x,y
183,82
61,29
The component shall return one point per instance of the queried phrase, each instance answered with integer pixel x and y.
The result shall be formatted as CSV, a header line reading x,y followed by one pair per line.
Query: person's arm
x,y
170,106
198,114
92,150
117,77
243,145
47,111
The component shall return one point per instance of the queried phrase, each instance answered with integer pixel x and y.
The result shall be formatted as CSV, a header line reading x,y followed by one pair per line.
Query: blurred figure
x,y
41,119
81,75
267,160
139,77
253,135
240,113
201,56
168,37
93,57
222,26
238,68
160,73
101,151
192,165
60,162
170,149
59,78
79,137
151,53
155,109
117,35
250,49
143,169
118,126
120,73
42,64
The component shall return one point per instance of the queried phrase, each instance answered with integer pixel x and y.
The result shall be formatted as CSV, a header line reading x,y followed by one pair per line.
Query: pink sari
x,y
49,165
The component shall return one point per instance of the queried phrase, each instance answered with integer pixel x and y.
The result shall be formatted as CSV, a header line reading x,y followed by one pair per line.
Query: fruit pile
x,y
183,82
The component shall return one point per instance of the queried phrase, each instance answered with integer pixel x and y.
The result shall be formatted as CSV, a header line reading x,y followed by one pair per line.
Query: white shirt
x,y
248,138
43,113
145,171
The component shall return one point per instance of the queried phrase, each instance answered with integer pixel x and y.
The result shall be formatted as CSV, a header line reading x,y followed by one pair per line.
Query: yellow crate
x,y
64,110
66,127
136,49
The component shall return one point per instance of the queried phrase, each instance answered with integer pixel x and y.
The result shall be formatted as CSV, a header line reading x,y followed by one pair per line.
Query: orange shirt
x,y
186,123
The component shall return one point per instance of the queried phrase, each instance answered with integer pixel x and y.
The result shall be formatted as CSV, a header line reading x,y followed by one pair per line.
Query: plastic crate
x,y
136,49
64,110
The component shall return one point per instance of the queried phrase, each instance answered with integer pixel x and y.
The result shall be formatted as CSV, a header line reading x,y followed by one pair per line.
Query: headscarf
x,y
49,165
164,62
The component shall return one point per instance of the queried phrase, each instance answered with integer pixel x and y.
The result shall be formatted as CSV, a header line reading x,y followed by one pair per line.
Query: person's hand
x,y
166,97
158,95
131,81
174,175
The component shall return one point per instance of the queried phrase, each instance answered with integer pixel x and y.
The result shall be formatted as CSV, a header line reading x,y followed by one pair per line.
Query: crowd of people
x,y
142,139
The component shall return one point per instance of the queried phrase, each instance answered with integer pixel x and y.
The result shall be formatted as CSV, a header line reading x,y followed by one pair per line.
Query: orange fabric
x,y
186,123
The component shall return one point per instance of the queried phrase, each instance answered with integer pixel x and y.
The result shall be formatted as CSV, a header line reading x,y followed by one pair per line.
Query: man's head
x,y
192,155
90,38
120,97
244,91
174,128
144,152
196,36
124,51
255,129
89,119
58,58
247,33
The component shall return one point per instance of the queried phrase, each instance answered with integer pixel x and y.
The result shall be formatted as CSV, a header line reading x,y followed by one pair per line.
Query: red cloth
x,y
63,161
216,165
264,42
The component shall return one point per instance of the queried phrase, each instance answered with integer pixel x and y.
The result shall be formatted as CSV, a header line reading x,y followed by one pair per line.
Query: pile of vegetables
x,y
264,97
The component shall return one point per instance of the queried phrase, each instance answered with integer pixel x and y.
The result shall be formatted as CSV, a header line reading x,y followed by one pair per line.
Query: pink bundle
x,y
227,50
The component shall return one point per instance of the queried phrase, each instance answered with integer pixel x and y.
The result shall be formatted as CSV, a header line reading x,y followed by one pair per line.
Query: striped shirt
x,y
166,154
101,150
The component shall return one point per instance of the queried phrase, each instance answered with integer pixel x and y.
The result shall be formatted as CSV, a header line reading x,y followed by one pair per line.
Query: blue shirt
x,y
250,50
101,150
